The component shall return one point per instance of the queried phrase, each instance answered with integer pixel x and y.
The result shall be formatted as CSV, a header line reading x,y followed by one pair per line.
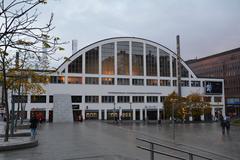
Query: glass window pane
x,y
174,67
76,65
92,61
108,59
137,58
123,58
107,81
164,60
74,80
91,80
151,60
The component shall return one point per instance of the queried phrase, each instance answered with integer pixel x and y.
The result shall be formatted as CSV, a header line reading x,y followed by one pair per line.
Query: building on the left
x,y
124,77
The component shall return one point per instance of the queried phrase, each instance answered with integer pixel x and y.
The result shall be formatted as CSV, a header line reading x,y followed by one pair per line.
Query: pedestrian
x,y
223,123
80,118
33,126
228,124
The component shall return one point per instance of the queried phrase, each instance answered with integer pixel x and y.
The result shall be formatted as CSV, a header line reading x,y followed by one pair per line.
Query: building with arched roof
x,y
124,76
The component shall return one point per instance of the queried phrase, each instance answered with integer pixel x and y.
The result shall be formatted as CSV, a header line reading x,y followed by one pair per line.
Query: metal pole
x,y
12,118
190,156
152,151
130,110
114,112
173,123
179,67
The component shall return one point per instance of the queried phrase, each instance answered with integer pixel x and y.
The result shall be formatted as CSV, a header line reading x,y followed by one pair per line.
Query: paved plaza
x,y
100,140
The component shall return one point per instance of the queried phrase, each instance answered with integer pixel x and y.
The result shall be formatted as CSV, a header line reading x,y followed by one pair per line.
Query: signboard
x,y
212,87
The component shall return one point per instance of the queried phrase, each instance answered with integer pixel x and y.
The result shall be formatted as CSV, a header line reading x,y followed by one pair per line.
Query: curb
x,y
24,134
29,144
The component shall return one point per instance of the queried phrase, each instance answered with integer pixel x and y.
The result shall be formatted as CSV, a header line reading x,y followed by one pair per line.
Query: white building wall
x,y
131,90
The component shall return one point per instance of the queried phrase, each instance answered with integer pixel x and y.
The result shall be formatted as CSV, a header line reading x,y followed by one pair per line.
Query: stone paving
x,y
99,140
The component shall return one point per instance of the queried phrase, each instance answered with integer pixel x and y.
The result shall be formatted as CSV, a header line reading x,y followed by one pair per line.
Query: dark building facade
x,y
224,65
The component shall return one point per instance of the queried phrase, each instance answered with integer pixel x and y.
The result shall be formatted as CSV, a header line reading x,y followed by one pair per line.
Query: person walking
x,y
227,124
222,122
33,126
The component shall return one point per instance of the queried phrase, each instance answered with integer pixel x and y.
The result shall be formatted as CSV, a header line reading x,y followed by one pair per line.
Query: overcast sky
x,y
205,26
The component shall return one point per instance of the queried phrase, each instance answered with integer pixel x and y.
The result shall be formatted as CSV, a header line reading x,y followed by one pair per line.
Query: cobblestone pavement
x,y
99,140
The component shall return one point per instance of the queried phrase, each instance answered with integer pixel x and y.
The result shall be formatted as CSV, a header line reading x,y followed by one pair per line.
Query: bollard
x,y
190,156
152,151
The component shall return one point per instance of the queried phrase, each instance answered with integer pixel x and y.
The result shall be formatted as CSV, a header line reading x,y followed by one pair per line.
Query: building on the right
x,y
224,65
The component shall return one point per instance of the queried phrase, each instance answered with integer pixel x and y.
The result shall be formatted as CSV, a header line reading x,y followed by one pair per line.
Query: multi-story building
x,y
126,76
224,65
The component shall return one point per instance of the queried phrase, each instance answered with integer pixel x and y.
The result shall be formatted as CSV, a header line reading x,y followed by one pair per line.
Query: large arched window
x,y
137,59
123,58
75,66
108,59
184,72
151,60
164,60
92,61
174,67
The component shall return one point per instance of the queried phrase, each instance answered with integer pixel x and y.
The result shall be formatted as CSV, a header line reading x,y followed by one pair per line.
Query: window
x,y
165,83
39,79
164,60
123,58
51,99
174,67
217,99
195,83
162,99
152,99
92,61
91,99
151,60
174,82
108,99
123,81
207,99
76,65
138,99
108,81
123,99
20,98
38,99
91,80
185,83
108,59
57,79
76,99
152,82
184,71
137,58
74,80
138,82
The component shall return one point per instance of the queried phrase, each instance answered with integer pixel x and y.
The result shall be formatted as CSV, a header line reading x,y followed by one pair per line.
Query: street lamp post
x,y
130,110
173,118
173,123
114,111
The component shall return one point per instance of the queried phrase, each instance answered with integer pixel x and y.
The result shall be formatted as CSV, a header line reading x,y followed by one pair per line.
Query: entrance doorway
x,y
77,115
152,114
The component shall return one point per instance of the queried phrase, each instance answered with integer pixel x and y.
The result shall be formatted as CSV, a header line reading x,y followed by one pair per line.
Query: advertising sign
x,y
212,87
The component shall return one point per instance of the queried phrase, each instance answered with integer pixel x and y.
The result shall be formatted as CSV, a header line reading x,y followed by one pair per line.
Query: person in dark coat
x,y
223,123
33,126
228,124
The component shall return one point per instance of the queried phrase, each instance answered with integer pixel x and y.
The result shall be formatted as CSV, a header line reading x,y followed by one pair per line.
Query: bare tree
x,y
19,31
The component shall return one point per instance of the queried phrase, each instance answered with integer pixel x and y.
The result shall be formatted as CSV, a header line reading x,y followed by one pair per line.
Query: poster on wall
x,y
212,87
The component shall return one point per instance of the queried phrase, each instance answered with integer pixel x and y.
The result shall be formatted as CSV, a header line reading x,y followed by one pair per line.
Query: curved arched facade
x,y
127,76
